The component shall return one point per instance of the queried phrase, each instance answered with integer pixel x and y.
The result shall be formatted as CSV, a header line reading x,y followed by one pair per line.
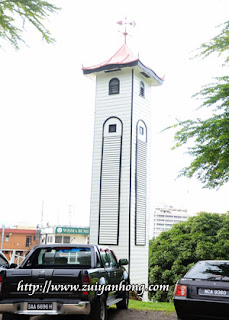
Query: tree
x,y
211,136
174,252
32,11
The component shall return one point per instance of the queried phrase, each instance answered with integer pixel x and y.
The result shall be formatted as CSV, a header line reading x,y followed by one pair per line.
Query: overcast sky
x,y
47,105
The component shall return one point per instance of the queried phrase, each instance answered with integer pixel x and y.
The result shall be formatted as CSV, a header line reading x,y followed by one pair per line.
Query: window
x,y
72,257
28,241
141,130
142,89
58,239
67,257
66,239
113,261
209,270
98,261
50,239
105,259
3,262
7,237
112,128
114,86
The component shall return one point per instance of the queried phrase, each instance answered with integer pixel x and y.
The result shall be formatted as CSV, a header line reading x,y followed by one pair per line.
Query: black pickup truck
x,y
64,279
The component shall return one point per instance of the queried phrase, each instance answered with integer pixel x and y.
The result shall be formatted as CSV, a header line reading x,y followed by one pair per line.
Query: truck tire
x,y
125,301
99,309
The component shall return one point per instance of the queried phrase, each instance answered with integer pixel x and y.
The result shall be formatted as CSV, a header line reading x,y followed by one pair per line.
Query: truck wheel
x,y
125,301
99,309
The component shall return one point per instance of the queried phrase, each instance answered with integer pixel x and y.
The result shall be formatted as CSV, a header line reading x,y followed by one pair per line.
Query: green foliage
x,y
33,11
174,252
210,137
218,44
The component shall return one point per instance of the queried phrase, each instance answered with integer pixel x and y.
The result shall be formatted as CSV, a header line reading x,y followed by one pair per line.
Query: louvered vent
x,y
110,186
141,163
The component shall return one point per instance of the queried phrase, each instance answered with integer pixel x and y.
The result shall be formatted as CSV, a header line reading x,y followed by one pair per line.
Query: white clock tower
x,y
120,194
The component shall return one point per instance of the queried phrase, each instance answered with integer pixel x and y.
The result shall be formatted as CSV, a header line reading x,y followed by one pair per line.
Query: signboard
x,y
70,230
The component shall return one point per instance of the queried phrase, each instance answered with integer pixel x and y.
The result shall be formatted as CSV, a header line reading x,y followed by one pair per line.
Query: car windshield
x,y
62,257
209,270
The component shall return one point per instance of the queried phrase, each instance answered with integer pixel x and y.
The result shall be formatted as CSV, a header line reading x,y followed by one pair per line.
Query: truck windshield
x,y
59,257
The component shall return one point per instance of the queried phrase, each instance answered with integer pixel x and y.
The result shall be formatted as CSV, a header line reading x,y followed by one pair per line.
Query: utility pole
x,y
70,214
42,213
2,239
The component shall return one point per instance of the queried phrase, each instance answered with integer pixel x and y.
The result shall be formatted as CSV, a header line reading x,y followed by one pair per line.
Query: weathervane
x,y
125,23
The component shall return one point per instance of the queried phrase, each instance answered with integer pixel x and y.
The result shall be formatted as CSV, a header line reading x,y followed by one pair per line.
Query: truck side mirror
x,y
123,262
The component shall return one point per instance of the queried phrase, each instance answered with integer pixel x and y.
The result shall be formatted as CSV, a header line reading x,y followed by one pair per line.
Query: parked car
x,y
64,279
4,263
204,291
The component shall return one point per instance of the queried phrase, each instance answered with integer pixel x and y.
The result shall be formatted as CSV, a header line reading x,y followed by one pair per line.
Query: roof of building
x,y
123,58
24,231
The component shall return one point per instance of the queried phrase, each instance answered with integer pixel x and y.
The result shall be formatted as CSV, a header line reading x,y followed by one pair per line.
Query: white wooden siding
x,y
120,106
141,163
110,190
112,106
141,111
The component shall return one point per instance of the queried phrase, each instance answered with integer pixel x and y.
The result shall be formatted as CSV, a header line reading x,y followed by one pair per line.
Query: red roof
x,y
122,56
25,231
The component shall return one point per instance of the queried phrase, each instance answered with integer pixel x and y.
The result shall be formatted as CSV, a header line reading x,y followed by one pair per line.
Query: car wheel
x,y
98,310
125,301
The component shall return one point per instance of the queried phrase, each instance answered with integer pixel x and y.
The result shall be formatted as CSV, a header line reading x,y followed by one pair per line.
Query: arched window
x,y
114,86
142,89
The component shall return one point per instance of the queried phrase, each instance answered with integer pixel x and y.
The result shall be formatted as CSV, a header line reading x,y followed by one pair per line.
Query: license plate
x,y
213,292
40,306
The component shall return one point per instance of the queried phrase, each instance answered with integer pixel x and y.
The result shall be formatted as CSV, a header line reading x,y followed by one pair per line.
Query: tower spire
x,y
125,23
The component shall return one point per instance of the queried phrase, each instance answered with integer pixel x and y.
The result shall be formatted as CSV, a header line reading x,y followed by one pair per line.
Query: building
x,y
64,234
165,217
17,242
119,214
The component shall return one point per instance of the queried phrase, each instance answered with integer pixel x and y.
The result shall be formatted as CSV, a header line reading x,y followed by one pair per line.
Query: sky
x,y
47,105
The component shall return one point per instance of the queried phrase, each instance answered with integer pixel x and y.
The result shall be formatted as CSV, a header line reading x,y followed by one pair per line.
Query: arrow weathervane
x,y
125,23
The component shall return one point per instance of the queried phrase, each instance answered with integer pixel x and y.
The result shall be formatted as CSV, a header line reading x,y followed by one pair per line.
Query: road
x,y
114,314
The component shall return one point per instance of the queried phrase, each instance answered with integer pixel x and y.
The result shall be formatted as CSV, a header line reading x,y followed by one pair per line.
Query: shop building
x,y
16,243
64,234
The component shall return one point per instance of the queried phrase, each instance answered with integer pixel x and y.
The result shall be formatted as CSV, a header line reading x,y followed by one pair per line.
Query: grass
x,y
155,306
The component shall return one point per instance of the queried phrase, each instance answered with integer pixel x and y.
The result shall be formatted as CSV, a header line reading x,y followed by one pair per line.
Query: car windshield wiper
x,y
218,277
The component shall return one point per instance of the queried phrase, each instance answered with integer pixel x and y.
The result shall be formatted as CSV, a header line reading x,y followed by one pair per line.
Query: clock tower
x,y
120,187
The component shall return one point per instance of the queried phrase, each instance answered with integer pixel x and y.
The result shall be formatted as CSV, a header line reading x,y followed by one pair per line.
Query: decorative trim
x,y
138,63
